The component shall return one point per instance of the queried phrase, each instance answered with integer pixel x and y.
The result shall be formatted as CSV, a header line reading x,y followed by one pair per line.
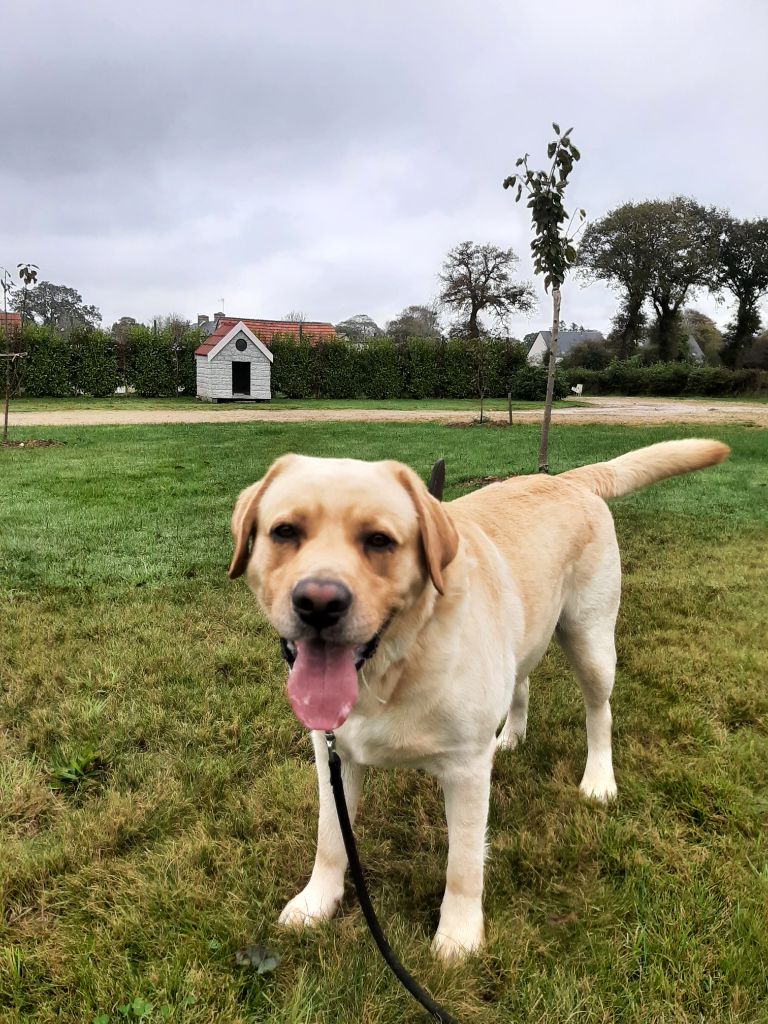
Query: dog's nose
x,y
320,603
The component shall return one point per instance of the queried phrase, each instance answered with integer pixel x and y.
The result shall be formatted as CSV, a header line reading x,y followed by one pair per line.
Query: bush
x,y
93,366
420,368
378,370
152,367
630,377
45,370
588,355
530,384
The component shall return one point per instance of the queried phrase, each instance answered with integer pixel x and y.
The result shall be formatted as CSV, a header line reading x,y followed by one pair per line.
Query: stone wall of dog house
x,y
214,377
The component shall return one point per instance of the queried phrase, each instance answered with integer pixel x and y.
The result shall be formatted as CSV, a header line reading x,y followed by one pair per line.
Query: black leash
x,y
358,878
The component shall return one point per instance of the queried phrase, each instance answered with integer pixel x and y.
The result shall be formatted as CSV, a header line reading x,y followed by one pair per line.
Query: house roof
x,y
239,328
265,330
567,339
694,347
10,322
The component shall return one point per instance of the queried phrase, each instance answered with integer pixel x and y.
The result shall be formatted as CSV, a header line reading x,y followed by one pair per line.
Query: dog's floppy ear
x,y
245,517
439,538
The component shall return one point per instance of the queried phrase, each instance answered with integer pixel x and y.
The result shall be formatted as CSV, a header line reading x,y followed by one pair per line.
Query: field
x,y
157,797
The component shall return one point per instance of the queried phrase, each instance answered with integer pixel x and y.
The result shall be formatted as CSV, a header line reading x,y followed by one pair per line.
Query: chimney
x,y
202,318
219,316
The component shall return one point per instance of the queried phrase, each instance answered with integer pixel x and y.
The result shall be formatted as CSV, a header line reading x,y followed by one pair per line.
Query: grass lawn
x,y
157,797
118,402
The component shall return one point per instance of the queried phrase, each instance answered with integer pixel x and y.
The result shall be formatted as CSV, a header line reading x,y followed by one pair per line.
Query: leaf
x,y
261,958
102,1018
551,150
214,945
141,1008
583,214
519,161
556,127
576,153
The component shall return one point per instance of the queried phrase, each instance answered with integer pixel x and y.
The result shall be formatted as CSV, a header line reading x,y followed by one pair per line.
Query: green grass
x,y
117,402
157,797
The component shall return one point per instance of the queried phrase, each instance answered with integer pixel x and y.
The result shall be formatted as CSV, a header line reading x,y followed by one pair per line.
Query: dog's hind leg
x,y
515,725
591,652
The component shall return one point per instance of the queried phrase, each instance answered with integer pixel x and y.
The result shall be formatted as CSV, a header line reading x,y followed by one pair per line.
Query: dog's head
x,y
334,548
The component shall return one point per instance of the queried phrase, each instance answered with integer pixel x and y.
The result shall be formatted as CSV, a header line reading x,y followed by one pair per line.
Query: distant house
x,y
10,324
233,364
694,350
566,340
265,330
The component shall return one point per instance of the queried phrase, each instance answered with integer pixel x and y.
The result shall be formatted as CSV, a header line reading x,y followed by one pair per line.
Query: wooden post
x,y
509,405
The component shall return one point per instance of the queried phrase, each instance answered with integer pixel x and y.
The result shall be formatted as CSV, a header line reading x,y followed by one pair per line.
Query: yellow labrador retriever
x,y
453,605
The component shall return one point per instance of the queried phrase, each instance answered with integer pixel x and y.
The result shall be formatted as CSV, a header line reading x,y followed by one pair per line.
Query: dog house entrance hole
x,y
241,378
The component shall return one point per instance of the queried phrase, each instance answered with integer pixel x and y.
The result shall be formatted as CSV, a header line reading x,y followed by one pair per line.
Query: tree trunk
x,y
7,394
665,333
473,332
544,443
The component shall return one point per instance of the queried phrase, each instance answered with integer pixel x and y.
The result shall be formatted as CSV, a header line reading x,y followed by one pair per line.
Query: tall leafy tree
x,y
552,246
56,305
617,250
660,250
743,271
478,279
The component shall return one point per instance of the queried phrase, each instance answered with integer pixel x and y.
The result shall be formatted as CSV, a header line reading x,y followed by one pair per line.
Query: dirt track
x,y
630,411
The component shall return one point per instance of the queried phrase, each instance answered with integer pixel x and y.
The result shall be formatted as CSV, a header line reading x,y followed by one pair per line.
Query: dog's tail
x,y
645,466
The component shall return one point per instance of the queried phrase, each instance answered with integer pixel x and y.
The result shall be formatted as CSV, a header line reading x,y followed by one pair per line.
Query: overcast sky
x,y
323,157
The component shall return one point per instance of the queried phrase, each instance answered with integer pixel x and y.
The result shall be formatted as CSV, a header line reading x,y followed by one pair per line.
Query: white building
x,y
234,366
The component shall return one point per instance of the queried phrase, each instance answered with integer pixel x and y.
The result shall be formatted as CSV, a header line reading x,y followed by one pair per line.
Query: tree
x,y
414,322
56,305
617,249
27,276
477,278
359,328
661,250
552,246
295,317
743,271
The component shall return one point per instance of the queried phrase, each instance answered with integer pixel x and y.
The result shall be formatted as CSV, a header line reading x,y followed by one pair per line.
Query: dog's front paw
x,y
312,906
601,788
454,943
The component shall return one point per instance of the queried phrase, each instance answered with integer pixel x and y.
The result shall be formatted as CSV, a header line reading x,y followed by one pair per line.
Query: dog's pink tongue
x,y
322,686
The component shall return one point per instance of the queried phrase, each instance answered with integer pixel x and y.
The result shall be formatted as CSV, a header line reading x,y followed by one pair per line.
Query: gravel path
x,y
630,411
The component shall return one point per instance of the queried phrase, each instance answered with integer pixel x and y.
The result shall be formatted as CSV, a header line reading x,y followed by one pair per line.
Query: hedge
x,y
91,362
631,378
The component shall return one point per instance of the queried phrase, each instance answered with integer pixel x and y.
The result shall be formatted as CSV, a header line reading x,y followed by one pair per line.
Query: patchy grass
x,y
157,797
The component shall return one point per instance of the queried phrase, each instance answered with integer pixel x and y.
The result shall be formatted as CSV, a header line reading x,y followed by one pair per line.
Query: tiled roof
x,y
265,330
10,322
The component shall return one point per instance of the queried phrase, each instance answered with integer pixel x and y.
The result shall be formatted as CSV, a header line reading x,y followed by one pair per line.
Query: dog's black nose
x,y
320,603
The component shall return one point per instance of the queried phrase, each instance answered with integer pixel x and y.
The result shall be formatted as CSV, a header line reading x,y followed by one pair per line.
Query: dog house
x,y
234,367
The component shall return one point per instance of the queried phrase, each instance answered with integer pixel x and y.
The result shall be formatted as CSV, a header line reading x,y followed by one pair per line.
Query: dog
x,y
452,605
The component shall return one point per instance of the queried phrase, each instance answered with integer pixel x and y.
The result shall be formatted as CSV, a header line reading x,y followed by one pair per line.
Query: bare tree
x,y
27,275
478,278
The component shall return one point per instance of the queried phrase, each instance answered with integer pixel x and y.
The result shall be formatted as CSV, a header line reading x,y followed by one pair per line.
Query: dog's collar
x,y
366,652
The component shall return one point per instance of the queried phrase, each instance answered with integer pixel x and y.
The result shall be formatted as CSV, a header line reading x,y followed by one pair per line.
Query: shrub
x,y
293,371
152,367
420,367
378,369
335,367
45,370
93,365
530,384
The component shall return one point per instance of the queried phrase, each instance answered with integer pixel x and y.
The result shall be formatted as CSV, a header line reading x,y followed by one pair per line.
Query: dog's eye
x,y
379,541
284,531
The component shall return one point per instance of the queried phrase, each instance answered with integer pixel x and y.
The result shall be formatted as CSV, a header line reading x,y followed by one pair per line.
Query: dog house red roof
x,y
265,330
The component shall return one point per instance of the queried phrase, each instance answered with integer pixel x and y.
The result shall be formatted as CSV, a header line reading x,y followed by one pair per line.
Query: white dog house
x,y
233,365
